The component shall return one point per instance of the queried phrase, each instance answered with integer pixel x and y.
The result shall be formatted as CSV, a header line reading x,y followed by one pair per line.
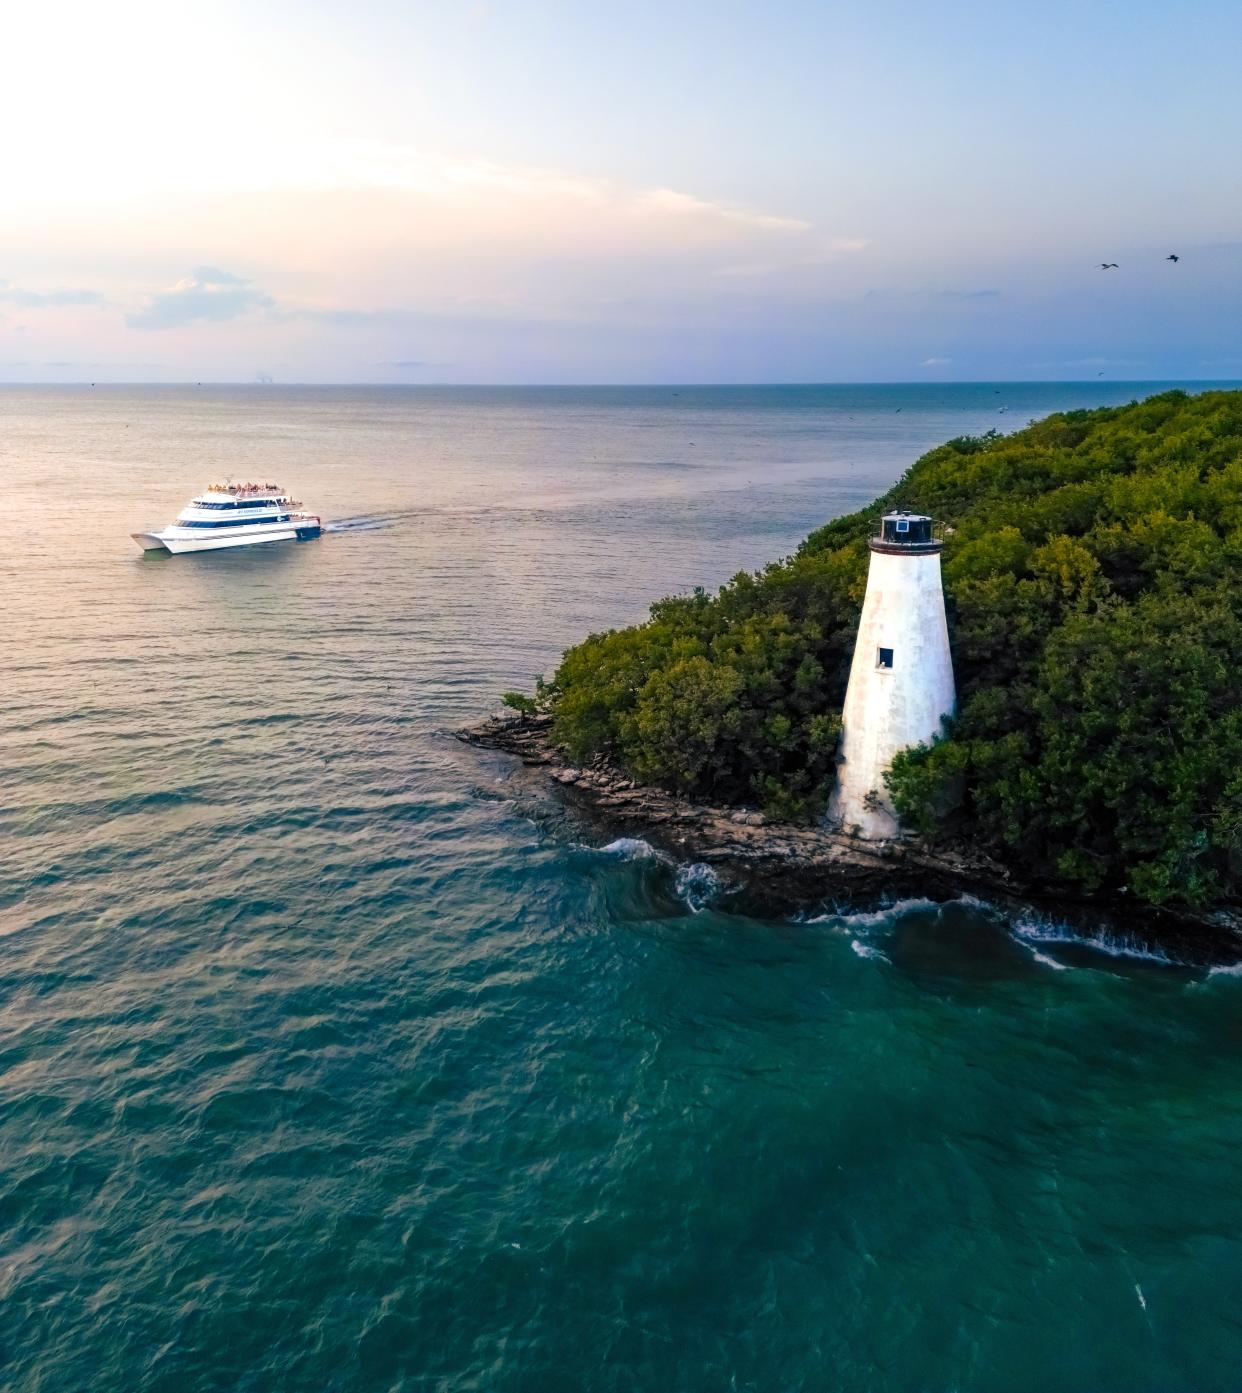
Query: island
x,y
1091,568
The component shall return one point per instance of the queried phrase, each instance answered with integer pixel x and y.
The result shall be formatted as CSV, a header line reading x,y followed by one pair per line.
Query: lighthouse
x,y
901,679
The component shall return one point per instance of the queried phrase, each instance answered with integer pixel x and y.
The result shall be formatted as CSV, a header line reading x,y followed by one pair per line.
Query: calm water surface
x,y
328,1063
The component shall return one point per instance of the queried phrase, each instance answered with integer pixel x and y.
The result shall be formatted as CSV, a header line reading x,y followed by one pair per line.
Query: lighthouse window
x,y
885,658
903,525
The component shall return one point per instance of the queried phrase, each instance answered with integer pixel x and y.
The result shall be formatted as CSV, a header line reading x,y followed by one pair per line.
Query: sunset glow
x,y
473,193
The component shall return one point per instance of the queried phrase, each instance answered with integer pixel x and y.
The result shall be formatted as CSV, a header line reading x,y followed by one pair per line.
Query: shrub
x,y
1091,580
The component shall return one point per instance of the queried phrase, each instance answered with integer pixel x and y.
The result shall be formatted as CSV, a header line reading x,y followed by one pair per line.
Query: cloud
x,y
205,294
363,250
485,211
46,299
833,247
212,275
362,164
824,251
354,318
936,362
686,205
372,237
751,268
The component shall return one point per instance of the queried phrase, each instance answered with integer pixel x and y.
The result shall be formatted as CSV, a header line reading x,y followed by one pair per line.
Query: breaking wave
x,y
697,886
868,918
1043,958
632,849
868,950
1032,927
695,883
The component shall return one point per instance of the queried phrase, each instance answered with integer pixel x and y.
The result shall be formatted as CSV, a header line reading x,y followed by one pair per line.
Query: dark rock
x,y
779,868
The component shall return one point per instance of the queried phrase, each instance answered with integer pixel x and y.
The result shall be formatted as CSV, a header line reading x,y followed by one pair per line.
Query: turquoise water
x,y
332,1059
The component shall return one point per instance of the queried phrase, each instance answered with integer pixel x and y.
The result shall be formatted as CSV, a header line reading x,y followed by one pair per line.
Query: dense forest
x,y
1092,582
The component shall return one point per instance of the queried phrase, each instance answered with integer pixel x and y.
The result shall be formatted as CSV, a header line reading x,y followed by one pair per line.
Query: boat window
x,y
241,503
231,522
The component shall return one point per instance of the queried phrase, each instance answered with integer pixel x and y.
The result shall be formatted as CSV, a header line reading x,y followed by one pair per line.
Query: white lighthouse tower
x,y
901,679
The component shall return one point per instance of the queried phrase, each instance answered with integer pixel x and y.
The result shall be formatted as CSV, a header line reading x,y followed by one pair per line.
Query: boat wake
x,y
378,522
365,522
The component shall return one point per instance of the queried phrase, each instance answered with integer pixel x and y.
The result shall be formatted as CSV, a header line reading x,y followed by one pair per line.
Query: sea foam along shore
x,y
779,868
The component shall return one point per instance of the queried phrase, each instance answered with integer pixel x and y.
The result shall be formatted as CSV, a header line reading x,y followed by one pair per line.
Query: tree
x,y
1091,575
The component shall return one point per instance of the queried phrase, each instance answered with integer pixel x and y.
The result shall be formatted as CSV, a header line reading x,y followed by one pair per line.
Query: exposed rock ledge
x,y
778,867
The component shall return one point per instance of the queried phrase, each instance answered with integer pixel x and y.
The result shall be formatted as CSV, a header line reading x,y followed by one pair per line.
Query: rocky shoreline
x,y
778,868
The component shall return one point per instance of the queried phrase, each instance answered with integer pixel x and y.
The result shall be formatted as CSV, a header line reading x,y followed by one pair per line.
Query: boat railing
x,y
244,490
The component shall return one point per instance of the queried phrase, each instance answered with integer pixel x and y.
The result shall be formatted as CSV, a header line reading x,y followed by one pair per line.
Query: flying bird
x,y
1172,256
1108,266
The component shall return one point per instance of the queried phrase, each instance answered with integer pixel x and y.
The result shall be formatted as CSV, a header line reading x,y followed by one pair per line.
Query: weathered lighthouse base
x,y
870,819
777,869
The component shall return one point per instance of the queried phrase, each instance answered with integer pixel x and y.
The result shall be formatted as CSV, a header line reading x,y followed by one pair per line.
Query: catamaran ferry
x,y
233,515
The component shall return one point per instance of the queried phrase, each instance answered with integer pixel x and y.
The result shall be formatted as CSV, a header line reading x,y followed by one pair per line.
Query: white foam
x,y
1045,959
631,849
1037,928
865,950
697,885
867,918
1226,970
974,902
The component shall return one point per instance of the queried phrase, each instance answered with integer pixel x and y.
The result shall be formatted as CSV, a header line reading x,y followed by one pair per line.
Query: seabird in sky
x,y
1172,256
1108,266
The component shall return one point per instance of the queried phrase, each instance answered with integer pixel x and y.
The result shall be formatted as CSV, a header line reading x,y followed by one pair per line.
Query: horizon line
x,y
636,386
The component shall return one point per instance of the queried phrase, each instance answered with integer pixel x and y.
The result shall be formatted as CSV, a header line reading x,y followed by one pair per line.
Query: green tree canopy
x,y
1091,576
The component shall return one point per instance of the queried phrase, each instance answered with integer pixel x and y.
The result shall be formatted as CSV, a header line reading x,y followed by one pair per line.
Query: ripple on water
x,y
319,1071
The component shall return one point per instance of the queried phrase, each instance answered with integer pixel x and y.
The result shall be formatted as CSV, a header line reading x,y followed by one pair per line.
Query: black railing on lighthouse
x,y
915,531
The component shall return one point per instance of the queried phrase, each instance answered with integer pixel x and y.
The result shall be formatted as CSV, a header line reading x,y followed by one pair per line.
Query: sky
x,y
686,191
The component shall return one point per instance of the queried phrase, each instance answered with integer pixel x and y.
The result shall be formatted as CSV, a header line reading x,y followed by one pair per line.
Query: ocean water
x,y
331,1058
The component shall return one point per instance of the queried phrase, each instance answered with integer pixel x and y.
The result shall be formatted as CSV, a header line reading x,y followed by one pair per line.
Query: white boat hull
x,y
233,515
221,541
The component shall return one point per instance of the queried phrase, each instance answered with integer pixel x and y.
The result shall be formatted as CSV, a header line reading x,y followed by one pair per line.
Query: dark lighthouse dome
x,y
906,534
